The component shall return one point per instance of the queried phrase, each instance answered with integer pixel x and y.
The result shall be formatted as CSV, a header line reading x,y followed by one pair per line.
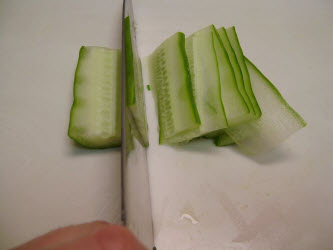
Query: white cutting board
x,y
281,201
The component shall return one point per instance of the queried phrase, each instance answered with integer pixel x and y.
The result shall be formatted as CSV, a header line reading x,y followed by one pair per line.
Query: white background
x,y
282,200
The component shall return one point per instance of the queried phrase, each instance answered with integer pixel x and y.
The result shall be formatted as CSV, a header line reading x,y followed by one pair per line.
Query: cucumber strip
x,y
232,35
130,88
235,108
206,80
237,70
213,134
95,113
135,100
171,85
277,122
223,139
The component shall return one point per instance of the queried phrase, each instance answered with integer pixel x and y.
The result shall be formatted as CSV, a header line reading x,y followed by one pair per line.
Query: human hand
x,y
90,236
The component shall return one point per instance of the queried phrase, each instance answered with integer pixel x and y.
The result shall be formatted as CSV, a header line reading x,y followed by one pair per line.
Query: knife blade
x,y
135,187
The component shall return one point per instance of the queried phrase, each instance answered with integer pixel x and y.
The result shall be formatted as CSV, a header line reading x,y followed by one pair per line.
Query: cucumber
x,y
213,134
135,101
129,66
171,85
277,122
95,113
237,70
206,80
235,108
223,139
232,35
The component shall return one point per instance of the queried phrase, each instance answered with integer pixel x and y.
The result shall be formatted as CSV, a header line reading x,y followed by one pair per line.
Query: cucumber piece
x,y
213,134
135,100
130,87
237,70
235,108
232,35
171,85
95,113
206,80
223,139
277,122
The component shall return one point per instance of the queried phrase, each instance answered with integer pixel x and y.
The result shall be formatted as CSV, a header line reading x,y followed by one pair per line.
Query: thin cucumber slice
x,y
130,87
237,70
223,139
171,85
232,35
135,100
95,113
235,108
206,80
220,138
213,134
277,122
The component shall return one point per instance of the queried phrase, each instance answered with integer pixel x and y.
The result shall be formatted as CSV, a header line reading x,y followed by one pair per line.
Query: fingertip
x,y
117,237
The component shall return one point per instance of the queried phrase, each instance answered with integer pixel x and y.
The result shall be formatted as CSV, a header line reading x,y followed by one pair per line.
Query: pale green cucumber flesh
x,y
171,85
277,122
235,108
95,113
233,38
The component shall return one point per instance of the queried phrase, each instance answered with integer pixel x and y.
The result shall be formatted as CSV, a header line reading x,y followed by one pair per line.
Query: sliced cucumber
x,y
237,70
95,113
135,100
277,122
171,85
130,87
232,35
213,134
235,107
206,80
223,139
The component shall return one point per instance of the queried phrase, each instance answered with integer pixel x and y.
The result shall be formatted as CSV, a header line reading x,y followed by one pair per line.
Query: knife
x,y
135,187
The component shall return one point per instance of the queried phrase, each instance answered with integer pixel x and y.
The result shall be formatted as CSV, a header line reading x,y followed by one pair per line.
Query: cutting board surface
x,y
203,197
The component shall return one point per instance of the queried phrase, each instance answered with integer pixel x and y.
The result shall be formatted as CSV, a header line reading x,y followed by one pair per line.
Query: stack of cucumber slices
x,y
204,86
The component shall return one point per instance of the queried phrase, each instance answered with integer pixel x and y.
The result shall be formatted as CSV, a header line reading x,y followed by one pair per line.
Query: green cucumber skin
x,y
77,102
188,77
219,74
236,68
205,78
130,87
231,32
223,139
235,108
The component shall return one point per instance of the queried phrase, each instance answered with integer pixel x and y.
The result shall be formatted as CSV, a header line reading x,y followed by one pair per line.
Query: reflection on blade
x,y
134,90
137,193
128,135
